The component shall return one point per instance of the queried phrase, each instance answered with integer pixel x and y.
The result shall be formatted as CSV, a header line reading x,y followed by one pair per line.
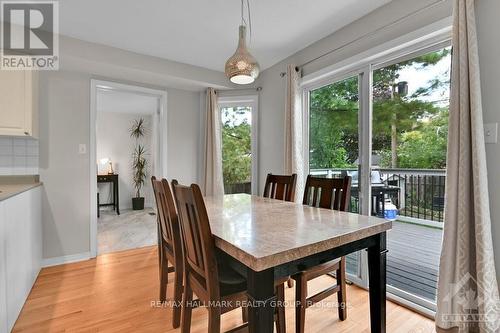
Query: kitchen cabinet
x,y
19,103
3,273
20,251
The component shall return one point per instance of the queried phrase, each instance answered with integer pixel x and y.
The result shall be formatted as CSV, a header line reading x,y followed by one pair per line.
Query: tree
x,y
395,113
334,117
236,146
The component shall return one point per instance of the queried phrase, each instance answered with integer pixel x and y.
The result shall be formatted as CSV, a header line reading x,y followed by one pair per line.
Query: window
x,y
239,153
385,124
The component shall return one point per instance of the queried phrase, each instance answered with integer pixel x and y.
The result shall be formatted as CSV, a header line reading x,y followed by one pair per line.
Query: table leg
x,y
377,284
117,197
261,298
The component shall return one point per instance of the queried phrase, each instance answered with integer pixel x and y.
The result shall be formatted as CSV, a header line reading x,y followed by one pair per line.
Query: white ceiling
x,y
204,32
126,102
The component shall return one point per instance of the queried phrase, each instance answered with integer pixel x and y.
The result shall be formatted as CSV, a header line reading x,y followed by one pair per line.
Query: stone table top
x,y
263,233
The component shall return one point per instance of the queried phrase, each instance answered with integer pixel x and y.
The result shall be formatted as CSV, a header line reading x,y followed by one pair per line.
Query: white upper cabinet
x,y
19,103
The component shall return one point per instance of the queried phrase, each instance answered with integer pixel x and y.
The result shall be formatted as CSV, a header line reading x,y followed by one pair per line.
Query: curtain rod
x,y
402,19
240,89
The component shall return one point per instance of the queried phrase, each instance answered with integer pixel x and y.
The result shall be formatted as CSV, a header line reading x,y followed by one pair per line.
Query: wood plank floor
x,y
115,292
412,260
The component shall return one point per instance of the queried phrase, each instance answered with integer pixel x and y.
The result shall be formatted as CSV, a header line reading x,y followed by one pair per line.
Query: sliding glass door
x,y
410,132
334,140
385,124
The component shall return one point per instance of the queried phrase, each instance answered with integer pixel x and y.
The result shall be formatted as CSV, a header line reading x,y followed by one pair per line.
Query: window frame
x,y
363,66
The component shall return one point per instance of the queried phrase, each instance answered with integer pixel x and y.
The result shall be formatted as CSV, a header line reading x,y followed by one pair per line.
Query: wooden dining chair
x,y
169,245
280,187
215,283
331,194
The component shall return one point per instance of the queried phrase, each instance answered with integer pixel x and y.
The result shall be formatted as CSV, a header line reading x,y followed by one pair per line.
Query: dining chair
x,y
329,193
216,284
169,245
281,187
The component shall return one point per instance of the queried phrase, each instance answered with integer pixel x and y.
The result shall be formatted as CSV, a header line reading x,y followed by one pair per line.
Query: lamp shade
x,y
241,67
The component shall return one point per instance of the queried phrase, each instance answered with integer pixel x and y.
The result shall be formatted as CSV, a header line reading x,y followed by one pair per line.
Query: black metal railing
x,y
419,195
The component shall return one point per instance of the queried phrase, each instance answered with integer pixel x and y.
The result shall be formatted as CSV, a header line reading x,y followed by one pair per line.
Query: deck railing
x,y
421,191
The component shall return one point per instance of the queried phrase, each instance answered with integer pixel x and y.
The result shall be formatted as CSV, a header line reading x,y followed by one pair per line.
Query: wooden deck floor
x,y
412,260
115,292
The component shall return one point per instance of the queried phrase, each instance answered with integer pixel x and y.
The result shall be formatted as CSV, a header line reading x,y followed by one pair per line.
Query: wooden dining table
x,y
269,239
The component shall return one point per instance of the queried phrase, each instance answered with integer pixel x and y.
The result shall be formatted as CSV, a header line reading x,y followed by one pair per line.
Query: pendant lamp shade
x,y
241,67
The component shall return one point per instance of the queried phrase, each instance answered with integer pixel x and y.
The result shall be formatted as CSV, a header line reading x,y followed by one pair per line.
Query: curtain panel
x,y
294,134
467,288
212,169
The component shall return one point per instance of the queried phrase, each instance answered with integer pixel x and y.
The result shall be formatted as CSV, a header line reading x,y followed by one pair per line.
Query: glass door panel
x,y
334,140
410,127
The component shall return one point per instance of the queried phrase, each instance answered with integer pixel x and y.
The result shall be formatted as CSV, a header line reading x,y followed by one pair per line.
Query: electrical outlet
x,y
491,133
82,148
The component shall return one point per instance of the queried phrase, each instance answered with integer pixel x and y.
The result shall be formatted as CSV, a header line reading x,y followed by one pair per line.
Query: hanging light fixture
x,y
242,68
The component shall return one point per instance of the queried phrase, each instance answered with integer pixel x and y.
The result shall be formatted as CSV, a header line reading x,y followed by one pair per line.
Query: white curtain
x,y
294,149
467,289
212,171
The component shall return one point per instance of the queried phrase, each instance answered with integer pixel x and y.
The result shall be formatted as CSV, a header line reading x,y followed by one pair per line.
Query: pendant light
x,y
242,68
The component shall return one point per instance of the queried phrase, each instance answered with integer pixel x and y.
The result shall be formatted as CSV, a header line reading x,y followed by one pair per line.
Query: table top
x,y
263,233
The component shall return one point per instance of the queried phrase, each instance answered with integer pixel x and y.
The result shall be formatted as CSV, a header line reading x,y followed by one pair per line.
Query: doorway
x,y
128,146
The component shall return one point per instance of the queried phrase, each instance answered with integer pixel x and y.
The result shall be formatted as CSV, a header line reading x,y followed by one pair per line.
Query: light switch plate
x,y
82,148
491,133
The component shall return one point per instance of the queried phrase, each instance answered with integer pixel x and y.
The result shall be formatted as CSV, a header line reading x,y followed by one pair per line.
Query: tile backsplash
x,y
18,156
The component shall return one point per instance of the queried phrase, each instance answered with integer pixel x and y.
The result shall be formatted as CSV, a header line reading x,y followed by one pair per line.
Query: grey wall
x,y
272,96
65,123
183,135
489,57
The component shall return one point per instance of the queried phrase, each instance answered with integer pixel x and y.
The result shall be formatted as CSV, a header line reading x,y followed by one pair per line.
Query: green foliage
x,y
425,148
138,129
333,125
236,145
420,125
139,161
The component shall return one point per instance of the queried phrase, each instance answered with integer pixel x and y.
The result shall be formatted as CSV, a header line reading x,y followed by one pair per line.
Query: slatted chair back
x,y
198,242
280,187
331,193
167,214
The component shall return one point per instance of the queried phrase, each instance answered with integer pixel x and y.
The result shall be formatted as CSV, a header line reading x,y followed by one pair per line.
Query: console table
x,y
113,179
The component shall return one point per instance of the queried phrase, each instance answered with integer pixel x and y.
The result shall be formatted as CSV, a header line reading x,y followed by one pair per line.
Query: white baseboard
x,y
47,262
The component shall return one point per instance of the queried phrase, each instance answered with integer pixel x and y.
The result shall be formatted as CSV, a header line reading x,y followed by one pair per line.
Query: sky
x,y
418,76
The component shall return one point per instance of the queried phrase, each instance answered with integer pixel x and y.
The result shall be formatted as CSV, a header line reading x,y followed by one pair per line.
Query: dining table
x,y
268,239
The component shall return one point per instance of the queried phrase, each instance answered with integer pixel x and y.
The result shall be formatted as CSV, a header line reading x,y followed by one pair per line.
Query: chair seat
x,y
230,281
319,270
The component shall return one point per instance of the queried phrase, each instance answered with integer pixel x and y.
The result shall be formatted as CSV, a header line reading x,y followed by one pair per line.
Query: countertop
x,y
263,233
14,185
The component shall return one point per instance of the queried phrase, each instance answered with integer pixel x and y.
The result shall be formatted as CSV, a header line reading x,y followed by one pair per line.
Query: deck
x,y
412,260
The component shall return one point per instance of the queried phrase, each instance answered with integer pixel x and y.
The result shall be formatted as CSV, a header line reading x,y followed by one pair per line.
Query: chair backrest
x,y
197,239
331,193
167,215
280,187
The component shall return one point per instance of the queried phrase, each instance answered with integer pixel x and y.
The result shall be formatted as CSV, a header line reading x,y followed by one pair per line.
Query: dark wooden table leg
x,y
377,284
117,196
261,298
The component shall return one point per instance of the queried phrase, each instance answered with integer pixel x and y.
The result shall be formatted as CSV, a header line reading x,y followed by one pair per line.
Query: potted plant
x,y
139,162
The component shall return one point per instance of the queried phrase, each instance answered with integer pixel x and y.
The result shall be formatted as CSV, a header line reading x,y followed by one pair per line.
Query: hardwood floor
x,y
115,293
